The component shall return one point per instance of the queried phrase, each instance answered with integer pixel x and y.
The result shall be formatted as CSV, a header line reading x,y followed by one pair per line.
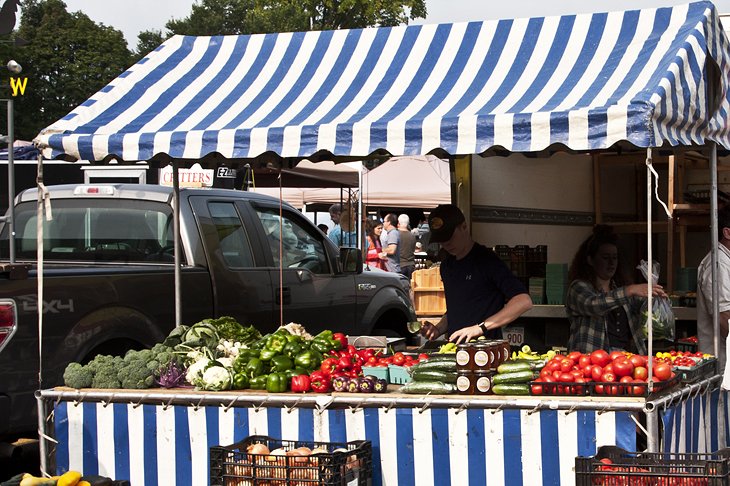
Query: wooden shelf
x,y
428,289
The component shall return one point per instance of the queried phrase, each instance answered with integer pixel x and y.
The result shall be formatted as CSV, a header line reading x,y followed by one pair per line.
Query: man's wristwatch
x,y
483,327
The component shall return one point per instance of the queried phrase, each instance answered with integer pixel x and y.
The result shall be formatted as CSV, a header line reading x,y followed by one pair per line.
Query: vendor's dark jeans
x,y
407,271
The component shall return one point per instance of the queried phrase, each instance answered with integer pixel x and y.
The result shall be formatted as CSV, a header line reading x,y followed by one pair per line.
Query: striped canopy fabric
x,y
584,81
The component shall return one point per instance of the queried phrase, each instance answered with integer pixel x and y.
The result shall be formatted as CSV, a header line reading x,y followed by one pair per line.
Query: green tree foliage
x,y
214,17
68,58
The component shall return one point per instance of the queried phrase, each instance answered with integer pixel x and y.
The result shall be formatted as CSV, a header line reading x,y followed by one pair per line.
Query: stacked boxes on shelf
x,y
523,260
537,290
428,292
556,282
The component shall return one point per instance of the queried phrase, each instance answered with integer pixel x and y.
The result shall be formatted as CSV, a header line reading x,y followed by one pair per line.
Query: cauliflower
x,y
195,371
229,348
215,378
298,330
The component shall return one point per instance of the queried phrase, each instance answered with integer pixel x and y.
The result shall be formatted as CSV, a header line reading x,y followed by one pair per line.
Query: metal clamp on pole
x,y
294,405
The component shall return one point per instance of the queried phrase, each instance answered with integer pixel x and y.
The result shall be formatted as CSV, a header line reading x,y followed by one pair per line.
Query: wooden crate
x,y
427,278
429,302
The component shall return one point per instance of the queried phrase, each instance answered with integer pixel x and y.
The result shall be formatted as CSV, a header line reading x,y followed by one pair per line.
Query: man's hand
x,y
431,331
466,334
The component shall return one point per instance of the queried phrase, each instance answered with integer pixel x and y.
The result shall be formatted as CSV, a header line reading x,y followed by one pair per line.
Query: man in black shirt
x,y
482,294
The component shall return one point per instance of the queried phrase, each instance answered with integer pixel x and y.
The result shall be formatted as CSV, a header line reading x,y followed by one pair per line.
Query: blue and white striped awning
x,y
585,81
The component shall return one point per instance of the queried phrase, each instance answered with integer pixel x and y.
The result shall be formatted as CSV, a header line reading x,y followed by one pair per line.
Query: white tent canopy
x,y
403,182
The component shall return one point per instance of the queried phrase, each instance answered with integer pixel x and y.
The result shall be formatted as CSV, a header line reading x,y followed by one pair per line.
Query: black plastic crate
x,y
614,466
343,463
690,374
595,388
684,345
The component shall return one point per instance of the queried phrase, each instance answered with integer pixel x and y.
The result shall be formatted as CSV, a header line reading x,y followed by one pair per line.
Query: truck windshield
x,y
119,230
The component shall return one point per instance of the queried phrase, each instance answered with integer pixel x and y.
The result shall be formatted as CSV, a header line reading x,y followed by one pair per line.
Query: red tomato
x,y
574,355
553,365
598,389
587,370
545,372
423,356
616,354
622,366
566,364
637,360
556,375
399,358
596,372
536,389
608,377
566,378
608,368
584,360
662,371
626,389
576,373
640,389
372,360
640,373
600,357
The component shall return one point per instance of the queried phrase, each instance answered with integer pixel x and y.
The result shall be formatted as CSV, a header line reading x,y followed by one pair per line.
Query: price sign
x,y
515,336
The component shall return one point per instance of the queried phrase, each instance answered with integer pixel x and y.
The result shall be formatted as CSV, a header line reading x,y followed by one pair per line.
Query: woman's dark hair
x,y
581,270
370,225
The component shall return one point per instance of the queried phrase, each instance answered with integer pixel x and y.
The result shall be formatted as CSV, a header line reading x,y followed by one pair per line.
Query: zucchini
x,y
521,365
441,357
515,377
424,387
442,376
434,366
511,388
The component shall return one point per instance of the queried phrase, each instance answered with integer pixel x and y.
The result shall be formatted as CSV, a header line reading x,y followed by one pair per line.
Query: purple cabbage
x,y
172,375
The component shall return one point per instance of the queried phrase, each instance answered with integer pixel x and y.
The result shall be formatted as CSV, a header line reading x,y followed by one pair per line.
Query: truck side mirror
x,y
351,260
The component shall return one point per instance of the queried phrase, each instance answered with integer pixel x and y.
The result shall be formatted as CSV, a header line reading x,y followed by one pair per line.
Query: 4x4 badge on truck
x,y
366,286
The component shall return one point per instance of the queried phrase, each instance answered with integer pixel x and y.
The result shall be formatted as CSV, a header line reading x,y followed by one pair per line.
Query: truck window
x,y
232,237
299,246
110,231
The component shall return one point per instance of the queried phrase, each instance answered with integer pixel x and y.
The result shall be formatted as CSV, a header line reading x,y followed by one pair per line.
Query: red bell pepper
x,y
328,365
300,383
344,363
351,350
338,336
319,382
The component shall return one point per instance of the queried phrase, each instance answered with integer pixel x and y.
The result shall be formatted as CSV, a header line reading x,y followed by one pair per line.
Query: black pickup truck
x,y
108,279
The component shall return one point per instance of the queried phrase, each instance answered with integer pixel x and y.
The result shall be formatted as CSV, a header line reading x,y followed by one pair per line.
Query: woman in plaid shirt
x,y
603,309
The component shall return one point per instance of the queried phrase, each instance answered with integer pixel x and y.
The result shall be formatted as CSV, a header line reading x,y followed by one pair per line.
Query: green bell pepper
x,y
260,343
239,365
326,334
308,360
248,354
296,371
276,383
293,338
282,331
281,363
254,368
258,382
292,349
267,354
322,345
240,381
276,343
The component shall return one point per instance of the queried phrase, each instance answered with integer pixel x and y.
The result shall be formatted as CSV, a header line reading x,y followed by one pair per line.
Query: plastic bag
x,y
662,314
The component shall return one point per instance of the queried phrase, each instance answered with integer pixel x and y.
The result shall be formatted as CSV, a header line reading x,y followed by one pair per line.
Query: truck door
x,y
312,292
240,277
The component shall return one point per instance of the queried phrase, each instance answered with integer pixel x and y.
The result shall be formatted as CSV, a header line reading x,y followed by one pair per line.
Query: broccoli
x,y
106,378
136,375
77,376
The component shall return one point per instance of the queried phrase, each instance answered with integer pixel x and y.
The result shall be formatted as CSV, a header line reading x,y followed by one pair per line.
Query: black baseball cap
x,y
443,221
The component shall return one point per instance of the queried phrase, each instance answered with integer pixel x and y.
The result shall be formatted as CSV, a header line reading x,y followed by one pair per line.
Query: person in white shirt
x,y
705,325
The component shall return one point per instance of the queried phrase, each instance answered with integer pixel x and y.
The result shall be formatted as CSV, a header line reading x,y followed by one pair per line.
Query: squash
x,y
69,478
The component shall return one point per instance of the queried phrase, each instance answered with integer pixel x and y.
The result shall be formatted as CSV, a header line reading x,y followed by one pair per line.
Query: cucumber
x,y
442,376
515,377
520,365
441,357
429,365
511,388
424,387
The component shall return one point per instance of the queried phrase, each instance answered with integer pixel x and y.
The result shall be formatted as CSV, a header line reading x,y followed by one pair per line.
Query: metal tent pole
x,y
714,233
176,243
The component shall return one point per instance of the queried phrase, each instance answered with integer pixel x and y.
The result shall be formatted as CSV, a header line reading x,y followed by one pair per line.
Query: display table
x,y
163,436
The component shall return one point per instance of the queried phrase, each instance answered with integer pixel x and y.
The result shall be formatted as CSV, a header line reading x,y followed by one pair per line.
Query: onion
x,y
301,454
257,449
276,454
319,450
